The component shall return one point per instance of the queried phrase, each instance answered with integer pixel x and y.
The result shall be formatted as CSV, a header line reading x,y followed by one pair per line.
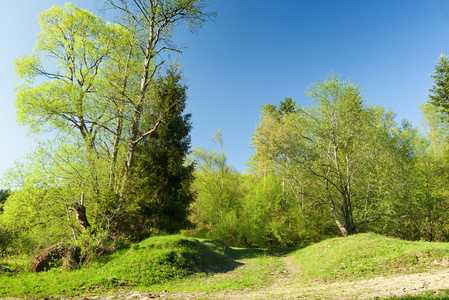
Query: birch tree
x,y
153,22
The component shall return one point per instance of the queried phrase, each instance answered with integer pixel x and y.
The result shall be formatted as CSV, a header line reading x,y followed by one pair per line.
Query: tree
x,y
153,22
337,152
271,118
218,194
421,213
287,106
161,175
80,44
440,89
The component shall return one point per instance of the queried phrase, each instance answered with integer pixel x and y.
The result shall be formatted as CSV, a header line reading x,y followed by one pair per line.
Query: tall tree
x,y
161,175
440,89
153,22
79,43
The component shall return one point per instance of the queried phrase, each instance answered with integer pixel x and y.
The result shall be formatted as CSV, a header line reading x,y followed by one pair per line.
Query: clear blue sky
x,y
259,52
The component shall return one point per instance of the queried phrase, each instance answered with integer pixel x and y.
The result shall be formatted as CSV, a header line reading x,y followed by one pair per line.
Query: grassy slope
x,y
367,255
178,263
152,261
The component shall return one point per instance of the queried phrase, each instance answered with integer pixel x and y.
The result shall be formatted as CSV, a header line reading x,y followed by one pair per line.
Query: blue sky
x,y
259,52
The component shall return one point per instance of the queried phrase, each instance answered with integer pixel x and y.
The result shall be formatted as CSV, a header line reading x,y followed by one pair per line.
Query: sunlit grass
x,y
184,264
153,261
367,255
260,268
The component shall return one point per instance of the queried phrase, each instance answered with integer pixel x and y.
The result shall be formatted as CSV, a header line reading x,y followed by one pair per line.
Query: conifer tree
x,y
440,88
161,176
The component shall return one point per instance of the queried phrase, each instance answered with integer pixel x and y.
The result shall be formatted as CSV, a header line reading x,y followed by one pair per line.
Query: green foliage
x,y
246,210
242,210
37,212
421,212
4,194
337,153
74,52
92,84
216,209
79,43
7,238
269,217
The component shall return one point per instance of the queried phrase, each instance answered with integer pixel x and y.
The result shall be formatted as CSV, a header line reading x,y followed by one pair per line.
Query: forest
x,y
114,163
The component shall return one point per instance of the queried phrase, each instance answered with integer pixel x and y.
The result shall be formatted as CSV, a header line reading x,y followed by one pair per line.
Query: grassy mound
x,y
152,261
365,255
161,258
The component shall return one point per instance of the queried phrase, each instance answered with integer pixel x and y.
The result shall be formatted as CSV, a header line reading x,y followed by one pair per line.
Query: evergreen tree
x,y
161,177
287,106
440,88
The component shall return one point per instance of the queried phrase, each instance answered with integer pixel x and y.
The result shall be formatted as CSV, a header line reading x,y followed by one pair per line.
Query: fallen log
x,y
56,255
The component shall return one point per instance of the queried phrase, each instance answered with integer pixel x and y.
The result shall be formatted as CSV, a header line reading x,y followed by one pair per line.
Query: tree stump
x,y
80,212
55,256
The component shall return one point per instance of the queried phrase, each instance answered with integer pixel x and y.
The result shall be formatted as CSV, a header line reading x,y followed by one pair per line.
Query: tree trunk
x,y
340,226
80,212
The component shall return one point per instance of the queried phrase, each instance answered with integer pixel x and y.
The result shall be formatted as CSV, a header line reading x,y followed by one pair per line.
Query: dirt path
x,y
288,286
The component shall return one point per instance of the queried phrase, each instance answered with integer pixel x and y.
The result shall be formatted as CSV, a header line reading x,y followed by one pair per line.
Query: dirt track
x,y
287,286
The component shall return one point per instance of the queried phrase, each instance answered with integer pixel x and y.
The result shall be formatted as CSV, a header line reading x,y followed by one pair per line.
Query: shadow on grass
x,y
226,259
243,253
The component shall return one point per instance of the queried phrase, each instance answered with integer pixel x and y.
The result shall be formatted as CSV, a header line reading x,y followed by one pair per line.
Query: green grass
x,y
153,261
184,264
367,255
260,268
